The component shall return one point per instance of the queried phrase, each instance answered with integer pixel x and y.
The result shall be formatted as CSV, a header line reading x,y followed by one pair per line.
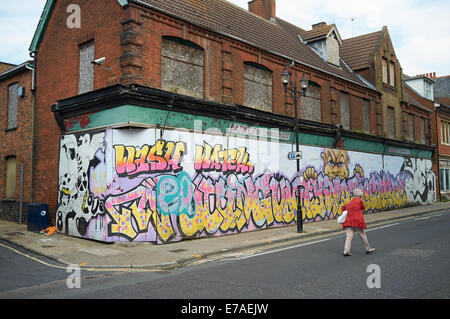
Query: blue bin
x,y
38,217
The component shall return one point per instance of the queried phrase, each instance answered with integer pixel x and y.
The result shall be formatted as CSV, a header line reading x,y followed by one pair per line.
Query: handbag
x,y
341,219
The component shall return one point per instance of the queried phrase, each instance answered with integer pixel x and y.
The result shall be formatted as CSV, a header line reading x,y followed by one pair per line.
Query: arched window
x,y
11,169
311,103
257,87
182,67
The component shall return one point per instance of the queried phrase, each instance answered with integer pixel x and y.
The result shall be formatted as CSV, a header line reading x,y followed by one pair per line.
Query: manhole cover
x,y
15,234
47,246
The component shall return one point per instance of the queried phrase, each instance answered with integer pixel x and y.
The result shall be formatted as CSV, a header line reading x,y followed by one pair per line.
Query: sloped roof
x,y
317,32
356,51
278,37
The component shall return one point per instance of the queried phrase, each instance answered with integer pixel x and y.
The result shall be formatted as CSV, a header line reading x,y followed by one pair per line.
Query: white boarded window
x,y
12,105
182,67
311,103
257,87
366,116
345,110
86,77
391,122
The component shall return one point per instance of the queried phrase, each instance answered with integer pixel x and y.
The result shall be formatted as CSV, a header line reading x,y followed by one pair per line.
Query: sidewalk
x,y
137,255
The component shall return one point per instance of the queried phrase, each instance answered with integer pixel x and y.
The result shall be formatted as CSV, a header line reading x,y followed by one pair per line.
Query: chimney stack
x,y
264,8
319,25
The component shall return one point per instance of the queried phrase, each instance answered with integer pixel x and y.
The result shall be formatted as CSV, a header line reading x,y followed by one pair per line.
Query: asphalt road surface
x,y
412,260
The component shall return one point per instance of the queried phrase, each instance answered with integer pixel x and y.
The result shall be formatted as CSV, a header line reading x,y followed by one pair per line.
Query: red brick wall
x,y
130,39
57,72
16,142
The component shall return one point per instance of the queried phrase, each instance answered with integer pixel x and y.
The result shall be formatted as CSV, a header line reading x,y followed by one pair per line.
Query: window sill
x,y
389,87
11,129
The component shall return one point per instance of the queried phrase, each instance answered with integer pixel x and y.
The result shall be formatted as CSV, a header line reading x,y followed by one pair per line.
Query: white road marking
x,y
385,226
278,250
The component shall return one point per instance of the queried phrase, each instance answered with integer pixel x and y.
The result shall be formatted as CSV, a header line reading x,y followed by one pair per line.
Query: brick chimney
x,y
264,8
319,25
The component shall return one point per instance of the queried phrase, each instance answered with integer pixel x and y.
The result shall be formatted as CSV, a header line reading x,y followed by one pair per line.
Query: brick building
x,y
159,105
441,94
16,136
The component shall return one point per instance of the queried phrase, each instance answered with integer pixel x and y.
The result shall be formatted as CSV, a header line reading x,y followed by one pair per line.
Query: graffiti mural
x,y
132,186
77,205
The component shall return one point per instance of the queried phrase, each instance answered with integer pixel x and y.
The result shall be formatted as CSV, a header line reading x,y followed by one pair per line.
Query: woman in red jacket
x,y
355,222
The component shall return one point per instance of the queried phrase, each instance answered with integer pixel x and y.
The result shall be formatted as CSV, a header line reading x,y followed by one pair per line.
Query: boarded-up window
x,y
11,166
257,87
12,106
311,103
366,116
422,131
384,70
392,73
86,78
391,122
182,67
345,110
411,127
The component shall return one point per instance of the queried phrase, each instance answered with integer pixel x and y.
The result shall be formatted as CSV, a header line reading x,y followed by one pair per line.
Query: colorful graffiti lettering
x,y
174,195
208,158
152,193
204,205
162,157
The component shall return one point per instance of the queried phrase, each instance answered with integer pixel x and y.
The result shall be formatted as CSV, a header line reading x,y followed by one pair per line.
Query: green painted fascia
x,y
43,22
42,25
132,115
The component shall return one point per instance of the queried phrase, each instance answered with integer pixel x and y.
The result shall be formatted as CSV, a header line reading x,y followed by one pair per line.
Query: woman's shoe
x,y
347,255
370,251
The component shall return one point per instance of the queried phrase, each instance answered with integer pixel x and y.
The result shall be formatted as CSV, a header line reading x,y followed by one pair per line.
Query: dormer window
x,y
325,41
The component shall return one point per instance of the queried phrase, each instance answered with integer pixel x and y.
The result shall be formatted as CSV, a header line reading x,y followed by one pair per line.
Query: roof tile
x,y
278,37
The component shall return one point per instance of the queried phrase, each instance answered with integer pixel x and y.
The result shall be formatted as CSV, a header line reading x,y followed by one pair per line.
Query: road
x,y
412,261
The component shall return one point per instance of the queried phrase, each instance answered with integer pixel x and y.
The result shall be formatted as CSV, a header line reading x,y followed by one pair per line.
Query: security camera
x,y
99,61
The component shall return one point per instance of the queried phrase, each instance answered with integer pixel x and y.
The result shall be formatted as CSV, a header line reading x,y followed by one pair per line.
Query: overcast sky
x,y
420,30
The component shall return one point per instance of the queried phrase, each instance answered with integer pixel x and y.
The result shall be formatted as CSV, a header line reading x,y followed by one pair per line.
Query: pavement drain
x,y
178,250
47,246
15,234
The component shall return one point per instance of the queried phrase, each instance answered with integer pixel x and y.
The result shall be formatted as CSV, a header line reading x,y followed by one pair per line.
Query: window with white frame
x,y
427,90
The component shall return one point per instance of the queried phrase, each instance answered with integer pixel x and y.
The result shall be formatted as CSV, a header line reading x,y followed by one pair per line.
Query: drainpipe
x,y
33,121
337,137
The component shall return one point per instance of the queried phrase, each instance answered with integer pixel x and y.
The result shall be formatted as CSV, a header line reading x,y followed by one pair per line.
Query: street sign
x,y
294,155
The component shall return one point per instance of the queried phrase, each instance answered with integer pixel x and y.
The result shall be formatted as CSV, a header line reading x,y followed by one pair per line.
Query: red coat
x,y
354,213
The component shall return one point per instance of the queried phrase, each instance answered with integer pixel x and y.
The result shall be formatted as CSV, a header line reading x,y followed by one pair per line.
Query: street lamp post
x,y
295,94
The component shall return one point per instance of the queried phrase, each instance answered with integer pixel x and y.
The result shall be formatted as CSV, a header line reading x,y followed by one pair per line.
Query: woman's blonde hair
x,y
357,192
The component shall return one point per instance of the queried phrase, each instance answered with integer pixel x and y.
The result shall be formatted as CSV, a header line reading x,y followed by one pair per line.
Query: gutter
x,y
15,70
